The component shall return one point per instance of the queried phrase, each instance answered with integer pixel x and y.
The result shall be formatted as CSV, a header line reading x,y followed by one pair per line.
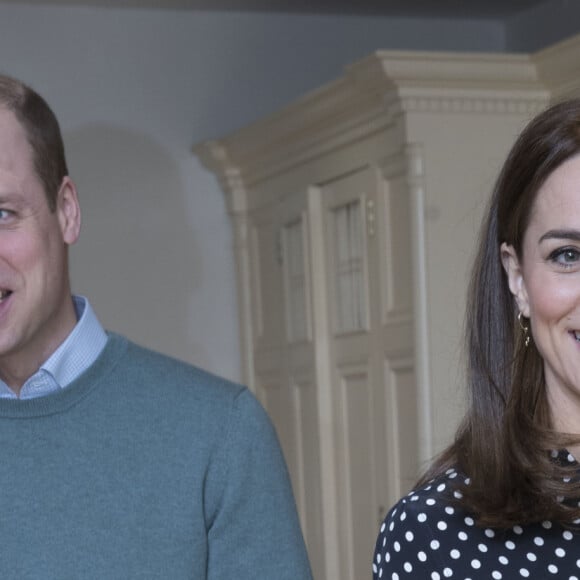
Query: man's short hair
x,y
42,131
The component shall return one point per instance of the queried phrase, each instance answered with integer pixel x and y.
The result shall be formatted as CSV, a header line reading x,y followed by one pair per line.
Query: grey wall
x,y
543,25
134,89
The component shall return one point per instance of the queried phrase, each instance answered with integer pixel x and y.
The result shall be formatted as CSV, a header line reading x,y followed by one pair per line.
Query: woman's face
x,y
546,286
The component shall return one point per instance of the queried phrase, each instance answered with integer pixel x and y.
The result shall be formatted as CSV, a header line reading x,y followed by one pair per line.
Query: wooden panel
x,y
296,280
348,267
357,491
309,497
282,403
255,282
293,408
397,273
401,398
267,289
345,201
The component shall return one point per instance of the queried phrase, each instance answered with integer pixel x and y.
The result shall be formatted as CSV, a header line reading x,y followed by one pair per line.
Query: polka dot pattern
x,y
427,537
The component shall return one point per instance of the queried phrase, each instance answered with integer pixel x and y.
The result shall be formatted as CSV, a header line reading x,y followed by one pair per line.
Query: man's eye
x,y
5,214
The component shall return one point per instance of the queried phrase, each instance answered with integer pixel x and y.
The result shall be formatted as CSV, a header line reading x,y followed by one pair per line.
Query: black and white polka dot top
x,y
427,537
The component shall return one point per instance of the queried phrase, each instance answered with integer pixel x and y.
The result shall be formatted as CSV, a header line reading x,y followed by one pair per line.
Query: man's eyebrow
x,y
561,235
11,198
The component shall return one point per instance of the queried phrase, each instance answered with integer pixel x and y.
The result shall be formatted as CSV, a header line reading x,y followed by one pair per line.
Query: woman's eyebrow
x,y
561,235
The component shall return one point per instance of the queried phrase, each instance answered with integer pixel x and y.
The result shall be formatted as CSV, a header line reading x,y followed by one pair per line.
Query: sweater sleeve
x,y
253,528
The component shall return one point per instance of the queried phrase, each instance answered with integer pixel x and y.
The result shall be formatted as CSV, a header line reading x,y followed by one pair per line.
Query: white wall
x,y
134,90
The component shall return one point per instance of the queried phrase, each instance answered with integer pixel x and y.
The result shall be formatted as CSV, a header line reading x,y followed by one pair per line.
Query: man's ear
x,y
68,211
513,269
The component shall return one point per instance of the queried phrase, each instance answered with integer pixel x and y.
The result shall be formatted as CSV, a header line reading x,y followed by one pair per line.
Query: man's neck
x,y
17,367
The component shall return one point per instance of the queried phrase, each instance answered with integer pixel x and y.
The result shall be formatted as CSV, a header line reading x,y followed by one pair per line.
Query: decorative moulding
x,y
559,68
369,97
305,129
421,69
394,165
214,156
511,103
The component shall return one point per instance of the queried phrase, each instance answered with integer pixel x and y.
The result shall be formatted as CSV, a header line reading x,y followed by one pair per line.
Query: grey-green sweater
x,y
144,468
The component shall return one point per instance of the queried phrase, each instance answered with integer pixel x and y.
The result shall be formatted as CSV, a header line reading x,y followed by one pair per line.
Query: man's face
x,y
36,311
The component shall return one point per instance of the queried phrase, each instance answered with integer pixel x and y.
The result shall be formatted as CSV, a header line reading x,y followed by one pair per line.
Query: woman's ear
x,y
513,269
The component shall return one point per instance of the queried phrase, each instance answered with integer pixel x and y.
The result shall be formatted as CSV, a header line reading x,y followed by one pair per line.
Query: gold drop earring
x,y
525,329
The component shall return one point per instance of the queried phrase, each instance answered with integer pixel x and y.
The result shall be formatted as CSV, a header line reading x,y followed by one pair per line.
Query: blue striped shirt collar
x,y
76,354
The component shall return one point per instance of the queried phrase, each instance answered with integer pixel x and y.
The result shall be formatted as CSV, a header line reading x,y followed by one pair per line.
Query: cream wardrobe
x,y
355,212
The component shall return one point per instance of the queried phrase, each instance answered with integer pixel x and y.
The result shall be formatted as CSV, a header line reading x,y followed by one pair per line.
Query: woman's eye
x,y
565,256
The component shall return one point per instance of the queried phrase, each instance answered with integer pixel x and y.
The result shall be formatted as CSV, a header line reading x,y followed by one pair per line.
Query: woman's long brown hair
x,y
505,441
